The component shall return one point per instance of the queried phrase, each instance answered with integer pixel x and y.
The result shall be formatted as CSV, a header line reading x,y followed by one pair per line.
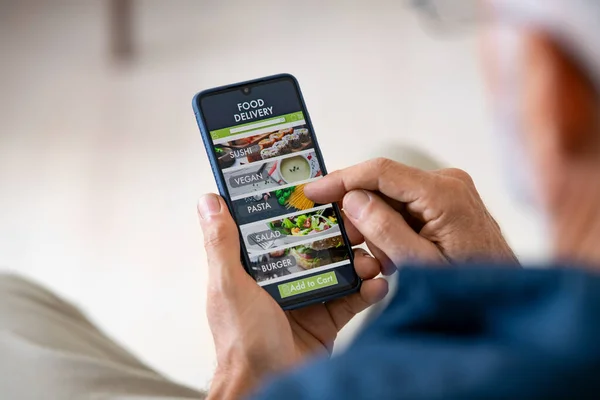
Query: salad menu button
x,y
264,236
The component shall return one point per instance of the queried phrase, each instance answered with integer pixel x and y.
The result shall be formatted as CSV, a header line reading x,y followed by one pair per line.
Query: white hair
x,y
574,24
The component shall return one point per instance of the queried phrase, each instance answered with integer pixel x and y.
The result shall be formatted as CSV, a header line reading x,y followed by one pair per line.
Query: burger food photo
x,y
320,252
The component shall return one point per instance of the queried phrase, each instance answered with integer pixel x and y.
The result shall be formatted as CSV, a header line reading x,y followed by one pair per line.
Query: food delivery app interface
x,y
266,153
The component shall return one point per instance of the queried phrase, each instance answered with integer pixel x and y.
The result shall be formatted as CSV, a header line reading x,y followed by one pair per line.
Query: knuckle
x,y
457,181
384,225
219,289
381,163
459,174
215,237
461,202
382,166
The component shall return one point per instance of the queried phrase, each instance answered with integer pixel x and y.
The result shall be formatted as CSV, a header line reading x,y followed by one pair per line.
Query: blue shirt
x,y
468,333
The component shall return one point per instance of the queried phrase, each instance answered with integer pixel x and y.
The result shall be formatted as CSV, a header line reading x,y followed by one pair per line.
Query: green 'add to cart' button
x,y
307,284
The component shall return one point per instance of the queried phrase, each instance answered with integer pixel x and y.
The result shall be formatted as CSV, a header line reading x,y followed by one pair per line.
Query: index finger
x,y
393,179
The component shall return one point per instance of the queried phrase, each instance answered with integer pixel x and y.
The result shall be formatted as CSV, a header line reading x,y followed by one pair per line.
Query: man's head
x,y
543,66
542,61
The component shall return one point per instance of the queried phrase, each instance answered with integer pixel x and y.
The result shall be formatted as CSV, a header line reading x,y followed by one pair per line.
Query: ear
x,y
560,101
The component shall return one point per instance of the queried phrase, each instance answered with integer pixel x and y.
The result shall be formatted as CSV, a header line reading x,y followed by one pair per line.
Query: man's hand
x,y
253,336
408,214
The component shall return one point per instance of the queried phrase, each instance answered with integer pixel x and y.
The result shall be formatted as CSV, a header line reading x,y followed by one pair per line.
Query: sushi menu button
x,y
245,152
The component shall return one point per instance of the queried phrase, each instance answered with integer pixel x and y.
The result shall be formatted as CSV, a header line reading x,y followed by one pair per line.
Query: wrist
x,y
232,384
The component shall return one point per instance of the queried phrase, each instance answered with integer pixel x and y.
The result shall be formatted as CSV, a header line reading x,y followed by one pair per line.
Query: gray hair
x,y
574,24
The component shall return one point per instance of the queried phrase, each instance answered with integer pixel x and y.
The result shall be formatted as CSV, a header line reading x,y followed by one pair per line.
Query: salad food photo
x,y
310,225
305,224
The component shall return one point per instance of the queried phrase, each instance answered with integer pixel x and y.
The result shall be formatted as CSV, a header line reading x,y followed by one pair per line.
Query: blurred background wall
x,y
101,162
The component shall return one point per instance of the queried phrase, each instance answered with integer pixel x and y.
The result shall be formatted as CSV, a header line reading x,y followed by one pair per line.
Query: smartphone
x,y
263,151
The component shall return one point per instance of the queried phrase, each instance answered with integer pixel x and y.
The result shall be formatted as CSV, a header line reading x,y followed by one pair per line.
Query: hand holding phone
x,y
254,337
263,229
263,151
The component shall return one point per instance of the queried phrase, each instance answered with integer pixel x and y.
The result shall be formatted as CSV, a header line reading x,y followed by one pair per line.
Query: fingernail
x,y
307,188
355,202
208,205
360,252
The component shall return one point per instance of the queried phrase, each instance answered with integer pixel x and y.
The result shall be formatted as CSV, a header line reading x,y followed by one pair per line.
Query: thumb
x,y
386,229
221,238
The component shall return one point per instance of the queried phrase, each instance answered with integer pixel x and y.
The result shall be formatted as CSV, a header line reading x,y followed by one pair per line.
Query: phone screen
x,y
266,152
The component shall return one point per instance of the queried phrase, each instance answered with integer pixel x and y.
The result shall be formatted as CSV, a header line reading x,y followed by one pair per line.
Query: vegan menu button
x,y
309,284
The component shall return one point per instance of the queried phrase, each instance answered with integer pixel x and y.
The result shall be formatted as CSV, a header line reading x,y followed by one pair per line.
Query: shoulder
x,y
471,332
